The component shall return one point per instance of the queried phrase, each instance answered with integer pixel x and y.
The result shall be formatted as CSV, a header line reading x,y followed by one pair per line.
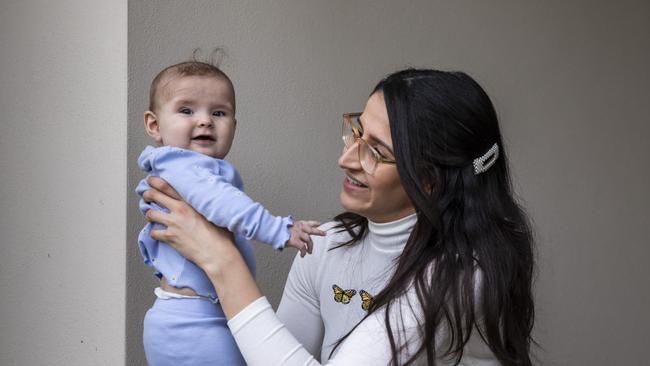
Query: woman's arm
x,y
299,309
264,340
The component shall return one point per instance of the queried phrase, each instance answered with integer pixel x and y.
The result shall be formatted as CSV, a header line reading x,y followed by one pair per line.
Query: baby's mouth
x,y
203,138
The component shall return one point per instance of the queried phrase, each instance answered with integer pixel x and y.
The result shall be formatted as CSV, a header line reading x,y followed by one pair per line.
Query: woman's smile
x,y
353,185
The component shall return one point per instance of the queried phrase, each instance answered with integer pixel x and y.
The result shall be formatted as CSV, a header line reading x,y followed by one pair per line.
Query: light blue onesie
x,y
194,331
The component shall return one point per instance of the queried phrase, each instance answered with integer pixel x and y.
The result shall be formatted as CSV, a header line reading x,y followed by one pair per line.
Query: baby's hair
x,y
194,67
216,56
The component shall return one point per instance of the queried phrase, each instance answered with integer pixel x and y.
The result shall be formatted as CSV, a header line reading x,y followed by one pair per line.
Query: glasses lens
x,y
367,158
347,133
350,130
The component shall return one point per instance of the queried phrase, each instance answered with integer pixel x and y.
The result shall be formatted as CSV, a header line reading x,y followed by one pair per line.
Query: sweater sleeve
x,y
299,309
203,184
264,340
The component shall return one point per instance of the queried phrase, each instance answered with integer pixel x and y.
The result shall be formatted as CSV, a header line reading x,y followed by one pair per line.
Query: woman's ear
x,y
152,126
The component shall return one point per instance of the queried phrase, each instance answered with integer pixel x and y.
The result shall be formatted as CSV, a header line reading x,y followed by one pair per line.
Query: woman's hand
x,y
187,231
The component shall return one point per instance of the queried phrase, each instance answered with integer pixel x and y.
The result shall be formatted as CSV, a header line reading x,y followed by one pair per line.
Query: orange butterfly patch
x,y
366,299
343,296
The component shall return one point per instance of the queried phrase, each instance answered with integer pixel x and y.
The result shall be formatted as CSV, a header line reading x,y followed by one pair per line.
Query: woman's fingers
x,y
157,217
164,187
162,199
158,235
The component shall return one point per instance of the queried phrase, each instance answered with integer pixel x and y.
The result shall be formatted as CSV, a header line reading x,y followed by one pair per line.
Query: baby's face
x,y
195,113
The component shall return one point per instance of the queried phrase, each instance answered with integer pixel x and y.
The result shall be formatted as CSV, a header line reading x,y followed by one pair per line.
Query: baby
x,y
191,117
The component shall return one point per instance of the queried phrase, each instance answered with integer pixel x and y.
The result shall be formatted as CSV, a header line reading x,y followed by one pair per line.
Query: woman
x,y
430,264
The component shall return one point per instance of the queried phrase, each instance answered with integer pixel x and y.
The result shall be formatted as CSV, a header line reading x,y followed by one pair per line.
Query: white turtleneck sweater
x,y
323,300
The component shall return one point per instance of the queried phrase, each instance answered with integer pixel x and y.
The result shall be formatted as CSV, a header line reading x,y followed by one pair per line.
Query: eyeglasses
x,y
368,156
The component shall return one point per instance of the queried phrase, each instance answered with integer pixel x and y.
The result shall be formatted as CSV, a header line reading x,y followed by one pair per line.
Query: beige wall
x,y
62,182
569,80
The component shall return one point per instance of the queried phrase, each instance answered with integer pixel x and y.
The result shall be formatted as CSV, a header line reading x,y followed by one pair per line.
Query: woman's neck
x,y
393,216
391,236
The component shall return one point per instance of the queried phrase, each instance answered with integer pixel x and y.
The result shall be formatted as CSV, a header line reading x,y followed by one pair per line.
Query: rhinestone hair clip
x,y
482,164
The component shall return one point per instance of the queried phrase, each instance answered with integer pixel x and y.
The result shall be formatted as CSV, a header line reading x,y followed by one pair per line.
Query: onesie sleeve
x,y
205,183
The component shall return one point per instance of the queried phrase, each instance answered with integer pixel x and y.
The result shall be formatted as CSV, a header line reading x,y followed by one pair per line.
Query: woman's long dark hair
x,y
467,223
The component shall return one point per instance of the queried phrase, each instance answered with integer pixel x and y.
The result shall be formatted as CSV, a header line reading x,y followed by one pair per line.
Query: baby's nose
x,y
204,121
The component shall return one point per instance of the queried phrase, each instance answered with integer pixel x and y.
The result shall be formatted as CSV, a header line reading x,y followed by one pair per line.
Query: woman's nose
x,y
349,158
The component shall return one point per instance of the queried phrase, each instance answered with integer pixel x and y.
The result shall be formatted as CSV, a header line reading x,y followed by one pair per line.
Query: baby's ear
x,y
151,126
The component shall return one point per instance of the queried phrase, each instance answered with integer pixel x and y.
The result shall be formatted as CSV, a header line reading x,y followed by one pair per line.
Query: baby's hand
x,y
300,232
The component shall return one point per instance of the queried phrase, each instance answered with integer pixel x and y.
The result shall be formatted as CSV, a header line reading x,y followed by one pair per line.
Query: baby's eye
x,y
185,111
218,113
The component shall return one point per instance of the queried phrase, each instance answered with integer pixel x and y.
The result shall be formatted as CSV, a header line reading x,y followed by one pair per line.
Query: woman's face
x,y
379,197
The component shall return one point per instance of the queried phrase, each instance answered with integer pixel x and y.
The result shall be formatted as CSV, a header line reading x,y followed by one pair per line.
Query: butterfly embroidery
x,y
366,299
343,296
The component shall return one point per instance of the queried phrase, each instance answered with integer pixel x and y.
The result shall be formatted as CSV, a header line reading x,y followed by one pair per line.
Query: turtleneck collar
x,y
391,236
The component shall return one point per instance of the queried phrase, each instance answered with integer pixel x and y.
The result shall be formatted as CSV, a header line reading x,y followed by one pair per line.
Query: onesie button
x,y
211,179
173,278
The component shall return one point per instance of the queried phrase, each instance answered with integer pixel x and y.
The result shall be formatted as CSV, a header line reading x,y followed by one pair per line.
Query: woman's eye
x,y
218,113
185,111
378,153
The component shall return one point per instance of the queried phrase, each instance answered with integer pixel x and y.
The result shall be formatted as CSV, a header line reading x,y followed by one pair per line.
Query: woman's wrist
x,y
225,257
233,280
213,249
